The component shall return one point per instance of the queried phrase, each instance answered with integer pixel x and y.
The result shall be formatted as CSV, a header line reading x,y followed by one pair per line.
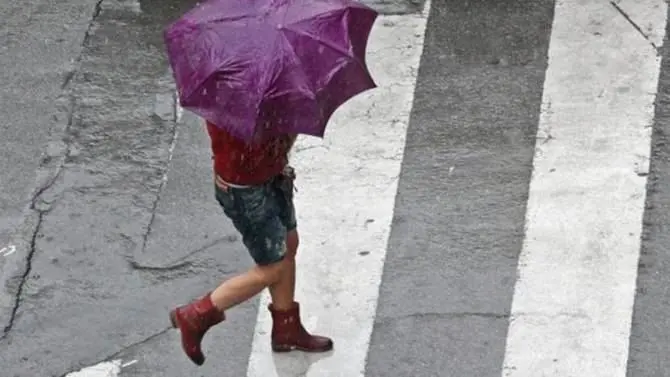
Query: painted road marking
x,y
347,186
573,301
129,363
7,251
104,369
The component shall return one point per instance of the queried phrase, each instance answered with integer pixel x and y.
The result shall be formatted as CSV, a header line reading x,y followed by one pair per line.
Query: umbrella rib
x,y
326,44
297,58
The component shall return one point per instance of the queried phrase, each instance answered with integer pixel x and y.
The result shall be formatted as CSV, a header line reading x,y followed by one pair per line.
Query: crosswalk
x,y
498,207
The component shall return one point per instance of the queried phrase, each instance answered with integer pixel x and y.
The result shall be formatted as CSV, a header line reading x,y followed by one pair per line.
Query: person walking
x,y
254,185
285,65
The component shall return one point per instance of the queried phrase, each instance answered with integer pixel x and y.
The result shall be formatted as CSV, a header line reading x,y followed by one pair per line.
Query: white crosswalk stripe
x,y
573,302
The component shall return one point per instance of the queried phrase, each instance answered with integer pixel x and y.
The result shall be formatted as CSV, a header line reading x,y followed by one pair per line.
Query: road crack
x,y
26,272
159,194
116,354
97,9
42,208
180,263
175,267
447,315
636,26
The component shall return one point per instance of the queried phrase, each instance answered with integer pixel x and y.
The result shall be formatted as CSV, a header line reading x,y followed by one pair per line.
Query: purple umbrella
x,y
260,68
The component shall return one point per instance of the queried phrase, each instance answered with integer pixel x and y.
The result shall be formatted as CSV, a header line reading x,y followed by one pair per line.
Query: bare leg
x,y
283,290
242,287
288,333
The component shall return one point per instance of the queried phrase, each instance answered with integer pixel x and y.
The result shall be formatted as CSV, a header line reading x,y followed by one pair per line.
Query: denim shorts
x,y
262,214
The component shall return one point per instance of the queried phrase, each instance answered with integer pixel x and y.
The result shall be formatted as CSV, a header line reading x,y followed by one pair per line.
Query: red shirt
x,y
240,163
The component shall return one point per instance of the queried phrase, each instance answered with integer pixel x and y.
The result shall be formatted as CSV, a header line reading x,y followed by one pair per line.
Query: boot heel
x,y
288,334
173,319
283,347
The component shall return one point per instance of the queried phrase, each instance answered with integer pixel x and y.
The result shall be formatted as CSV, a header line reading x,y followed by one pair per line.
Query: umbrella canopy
x,y
265,67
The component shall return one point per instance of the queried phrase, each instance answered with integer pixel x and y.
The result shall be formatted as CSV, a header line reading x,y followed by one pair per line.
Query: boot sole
x,y
284,349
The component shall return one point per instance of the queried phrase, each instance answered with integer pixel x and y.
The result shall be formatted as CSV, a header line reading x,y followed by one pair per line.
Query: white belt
x,y
221,182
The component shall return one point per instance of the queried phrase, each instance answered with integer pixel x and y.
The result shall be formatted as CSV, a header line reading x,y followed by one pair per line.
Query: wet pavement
x,y
105,243
88,266
39,45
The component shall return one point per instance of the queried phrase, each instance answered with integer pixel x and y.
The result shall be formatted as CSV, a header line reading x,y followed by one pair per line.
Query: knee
x,y
272,273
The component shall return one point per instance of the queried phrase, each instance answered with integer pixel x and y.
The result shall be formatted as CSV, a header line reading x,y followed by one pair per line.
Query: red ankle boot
x,y
193,320
288,333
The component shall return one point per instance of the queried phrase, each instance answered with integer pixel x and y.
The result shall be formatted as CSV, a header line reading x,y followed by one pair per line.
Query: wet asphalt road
x,y
104,245
39,43
88,239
